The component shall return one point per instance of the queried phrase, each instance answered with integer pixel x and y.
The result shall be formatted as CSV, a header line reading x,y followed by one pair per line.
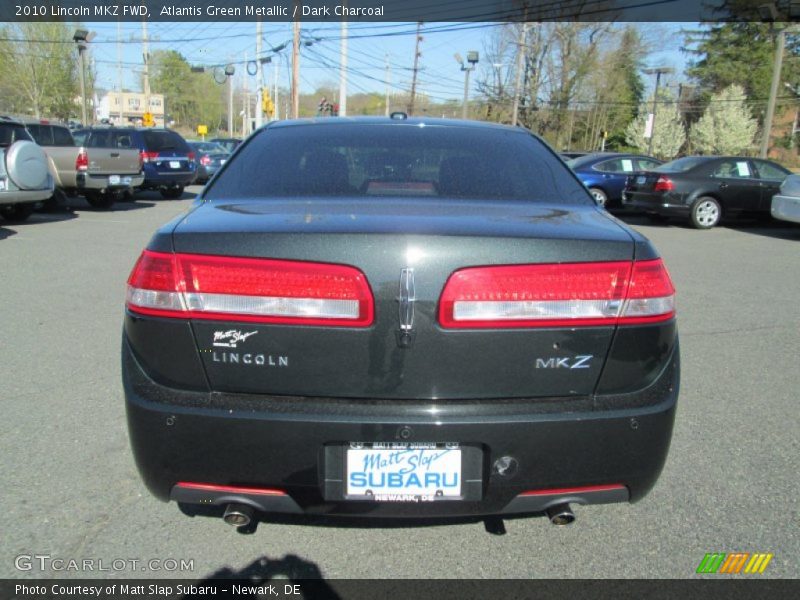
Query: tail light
x,y
249,289
558,295
190,156
146,157
205,160
663,184
82,161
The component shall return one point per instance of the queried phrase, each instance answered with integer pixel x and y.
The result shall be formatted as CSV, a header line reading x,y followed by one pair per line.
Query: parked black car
x,y
169,163
210,157
399,317
703,189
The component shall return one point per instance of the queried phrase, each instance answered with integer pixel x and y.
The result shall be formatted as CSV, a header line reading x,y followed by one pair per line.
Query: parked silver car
x,y
24,175
786,203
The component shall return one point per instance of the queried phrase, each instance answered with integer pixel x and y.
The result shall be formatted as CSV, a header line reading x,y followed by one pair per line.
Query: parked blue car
x,y
605,174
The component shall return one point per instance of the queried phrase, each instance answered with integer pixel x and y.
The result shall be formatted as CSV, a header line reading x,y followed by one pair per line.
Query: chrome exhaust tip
x,y
238,515
560,514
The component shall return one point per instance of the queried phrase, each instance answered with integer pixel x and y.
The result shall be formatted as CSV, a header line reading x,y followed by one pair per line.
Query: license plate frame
x,y
640,179
114,180
174,164
403,472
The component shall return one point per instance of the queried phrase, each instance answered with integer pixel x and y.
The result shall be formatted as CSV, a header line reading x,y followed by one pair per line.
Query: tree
x,y
38,70
727,126
670,132
742,54
191,99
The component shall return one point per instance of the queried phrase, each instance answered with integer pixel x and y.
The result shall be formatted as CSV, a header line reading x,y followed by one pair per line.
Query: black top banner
x,y
398,10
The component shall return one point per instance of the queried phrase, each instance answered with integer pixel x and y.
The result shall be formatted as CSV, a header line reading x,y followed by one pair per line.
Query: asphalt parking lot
x,y
71,491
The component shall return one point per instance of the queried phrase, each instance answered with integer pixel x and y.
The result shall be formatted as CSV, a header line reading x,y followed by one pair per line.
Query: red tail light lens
x,y
148,156
205,160
557,295
82,161
663,184
249,289
190,155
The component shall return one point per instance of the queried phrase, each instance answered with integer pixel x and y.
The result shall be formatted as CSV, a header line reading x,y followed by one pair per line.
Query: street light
x,y
769,13
658,72
472,59
81,38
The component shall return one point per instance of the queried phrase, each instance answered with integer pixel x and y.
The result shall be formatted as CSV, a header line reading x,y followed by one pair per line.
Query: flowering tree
x,y
726,127
669,135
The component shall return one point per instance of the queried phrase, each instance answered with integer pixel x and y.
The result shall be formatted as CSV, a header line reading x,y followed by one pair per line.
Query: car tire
x,y
16,213
98,200
705,213
172,193
599,196
54,202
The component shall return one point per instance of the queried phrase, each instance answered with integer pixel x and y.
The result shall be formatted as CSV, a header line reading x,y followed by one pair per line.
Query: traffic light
x,y
267,106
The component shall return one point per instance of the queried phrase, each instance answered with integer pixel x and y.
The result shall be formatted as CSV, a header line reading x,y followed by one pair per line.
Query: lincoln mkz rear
x,y
398,318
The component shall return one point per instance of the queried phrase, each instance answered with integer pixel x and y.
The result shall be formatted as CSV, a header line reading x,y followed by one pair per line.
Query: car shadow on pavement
x,y
6,233
757,226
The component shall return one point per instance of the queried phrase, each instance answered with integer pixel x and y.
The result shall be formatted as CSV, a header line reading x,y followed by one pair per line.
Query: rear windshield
x,y
156,141
208,148
12,132
681,165
398,160
580,161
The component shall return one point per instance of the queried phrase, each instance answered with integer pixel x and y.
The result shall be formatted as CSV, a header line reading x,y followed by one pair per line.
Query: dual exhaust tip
x,y
238,515
560,514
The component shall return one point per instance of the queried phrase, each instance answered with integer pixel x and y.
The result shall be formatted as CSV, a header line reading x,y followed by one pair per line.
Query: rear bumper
x,y
154,179
253,446
87,181
786,208
667,204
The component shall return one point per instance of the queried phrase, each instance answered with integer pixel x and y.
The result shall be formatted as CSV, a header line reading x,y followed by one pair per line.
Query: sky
x,y
440,76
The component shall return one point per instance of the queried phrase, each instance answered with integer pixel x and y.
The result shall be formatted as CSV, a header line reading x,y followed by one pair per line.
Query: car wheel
x,y
599,196
17,212
98,200
173,192
705,213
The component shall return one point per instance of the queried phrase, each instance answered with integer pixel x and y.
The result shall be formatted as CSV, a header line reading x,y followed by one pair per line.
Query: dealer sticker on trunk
x,y
403,472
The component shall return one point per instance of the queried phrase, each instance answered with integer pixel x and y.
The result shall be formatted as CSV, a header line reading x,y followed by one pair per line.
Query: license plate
x,y
113,180
403,472
641,179
126,180
174,164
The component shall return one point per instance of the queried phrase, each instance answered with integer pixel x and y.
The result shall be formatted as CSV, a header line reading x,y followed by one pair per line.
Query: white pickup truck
x,y
101,172
24,176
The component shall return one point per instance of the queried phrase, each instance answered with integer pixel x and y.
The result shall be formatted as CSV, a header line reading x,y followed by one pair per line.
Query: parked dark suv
x,y
169,162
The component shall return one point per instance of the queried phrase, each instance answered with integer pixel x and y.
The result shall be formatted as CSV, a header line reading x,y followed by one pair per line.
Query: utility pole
x,y
658,71
146,56
296,70
780,42
245,100
259,75
388,83
343,73
277,100
119,69
521,47
230,103
416,68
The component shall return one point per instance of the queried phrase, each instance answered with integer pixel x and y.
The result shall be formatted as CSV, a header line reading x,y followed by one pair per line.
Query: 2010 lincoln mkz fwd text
x,y
398,317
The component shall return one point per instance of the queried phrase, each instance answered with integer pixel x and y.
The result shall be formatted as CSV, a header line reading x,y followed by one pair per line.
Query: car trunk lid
x,y
389,241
